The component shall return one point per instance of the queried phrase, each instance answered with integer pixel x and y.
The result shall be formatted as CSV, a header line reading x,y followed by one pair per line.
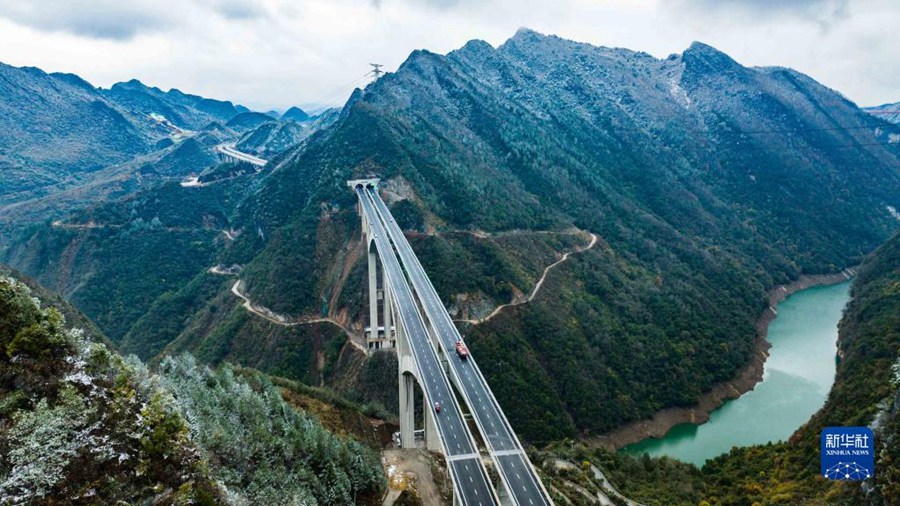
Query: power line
x,y
340,88
376,72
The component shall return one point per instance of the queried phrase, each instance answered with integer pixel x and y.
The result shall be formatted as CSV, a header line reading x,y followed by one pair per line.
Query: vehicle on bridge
x,y
461,350
437,407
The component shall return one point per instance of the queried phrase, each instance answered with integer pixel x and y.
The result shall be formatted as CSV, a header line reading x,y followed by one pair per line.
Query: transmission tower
x,y
376,70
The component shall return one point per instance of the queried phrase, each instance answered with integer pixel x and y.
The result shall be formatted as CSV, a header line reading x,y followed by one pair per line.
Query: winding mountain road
x,y
277,319
537,286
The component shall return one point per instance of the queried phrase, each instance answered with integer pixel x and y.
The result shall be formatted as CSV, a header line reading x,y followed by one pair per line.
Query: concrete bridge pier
x,y
407,411
406,370
373,296
503,494
380,335
408,382
390,340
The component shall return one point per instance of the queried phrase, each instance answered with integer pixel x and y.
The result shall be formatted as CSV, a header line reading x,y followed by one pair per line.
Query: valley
x,y
602,227
798,374
745,381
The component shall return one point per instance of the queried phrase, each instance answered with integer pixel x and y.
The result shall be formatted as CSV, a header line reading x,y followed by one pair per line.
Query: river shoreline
x,y
745,380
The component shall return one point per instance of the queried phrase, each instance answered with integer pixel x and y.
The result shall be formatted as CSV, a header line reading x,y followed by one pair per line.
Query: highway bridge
x,y
425,339
230,154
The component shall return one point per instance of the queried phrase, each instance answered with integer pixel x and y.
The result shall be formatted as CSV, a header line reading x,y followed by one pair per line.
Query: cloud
x,y
824,13
436,4
122,20
238,9
103,19
277,53
767,5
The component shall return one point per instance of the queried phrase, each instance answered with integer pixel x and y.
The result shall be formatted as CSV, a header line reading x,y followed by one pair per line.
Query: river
x,y
798,375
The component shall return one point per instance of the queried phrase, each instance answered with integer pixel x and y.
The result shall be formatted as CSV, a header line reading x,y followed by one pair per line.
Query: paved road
x,y
516,471
470,479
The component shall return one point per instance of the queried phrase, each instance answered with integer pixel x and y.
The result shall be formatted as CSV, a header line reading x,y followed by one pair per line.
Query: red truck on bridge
x,y
461,350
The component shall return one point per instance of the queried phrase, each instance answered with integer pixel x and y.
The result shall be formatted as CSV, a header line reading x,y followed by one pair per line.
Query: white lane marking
x,y
402,247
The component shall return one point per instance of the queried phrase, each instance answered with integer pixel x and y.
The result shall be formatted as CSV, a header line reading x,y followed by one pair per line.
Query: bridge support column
x,y
407,383
389,339
373,298
365,223
407,411
503,494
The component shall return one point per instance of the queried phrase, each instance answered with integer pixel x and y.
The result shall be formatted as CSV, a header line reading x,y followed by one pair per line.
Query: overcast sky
x,y
276,53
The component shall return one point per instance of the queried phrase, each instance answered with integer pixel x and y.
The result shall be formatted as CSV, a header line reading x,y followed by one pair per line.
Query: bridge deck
x,y
229,150
470,478
518,474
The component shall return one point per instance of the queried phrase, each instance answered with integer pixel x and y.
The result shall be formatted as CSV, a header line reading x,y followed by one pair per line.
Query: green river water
x,y
798,375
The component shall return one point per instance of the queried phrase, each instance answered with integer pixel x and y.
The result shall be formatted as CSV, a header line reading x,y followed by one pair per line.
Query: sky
x,y
272,54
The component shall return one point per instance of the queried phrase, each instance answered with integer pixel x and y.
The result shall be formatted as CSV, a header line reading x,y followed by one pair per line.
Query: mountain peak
x,y
526,36
74,80
527,32
705,58
476,50
296,114
701,47
476,46
131,84
34,71
419,58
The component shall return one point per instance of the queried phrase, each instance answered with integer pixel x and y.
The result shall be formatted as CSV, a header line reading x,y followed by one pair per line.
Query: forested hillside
x,y
274,138
707,182
182,110
65,144
78,423
703,198
57,129
887,112
866,392
54,128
